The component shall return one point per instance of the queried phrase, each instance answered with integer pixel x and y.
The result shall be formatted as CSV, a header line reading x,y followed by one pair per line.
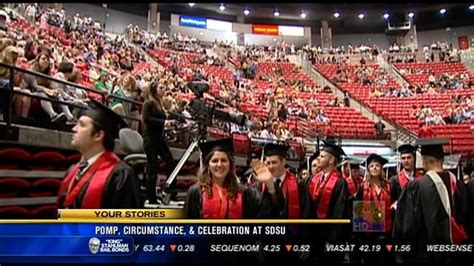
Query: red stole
x,y
403,178
215,208
371,195
323,192
350,183
458,232
289,188
100,170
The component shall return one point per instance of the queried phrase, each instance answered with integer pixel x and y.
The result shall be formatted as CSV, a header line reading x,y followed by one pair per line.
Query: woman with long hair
x,y
375,191
217,193
43,87
21,103
155,120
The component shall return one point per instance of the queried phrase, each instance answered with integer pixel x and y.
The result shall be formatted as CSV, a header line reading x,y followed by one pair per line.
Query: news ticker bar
x,y
77,246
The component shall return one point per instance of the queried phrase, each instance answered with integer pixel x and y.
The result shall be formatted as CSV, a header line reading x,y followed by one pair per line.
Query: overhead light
x,y
276,13
221,7
191,4
201,33
303,15
411,15
471,7
386,16
274,39
442,11
361,16
246,11
336,14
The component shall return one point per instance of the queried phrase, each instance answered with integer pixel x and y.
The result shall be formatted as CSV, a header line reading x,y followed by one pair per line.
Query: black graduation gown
x,y
319,234
372,238
469,212
254,207
395,187
421,219
280,211
121,190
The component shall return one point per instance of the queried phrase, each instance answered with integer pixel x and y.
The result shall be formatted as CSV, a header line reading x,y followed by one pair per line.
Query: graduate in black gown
x,y
325,196
376,188
218,194
282,189
407,172
100,179
470,214
429,209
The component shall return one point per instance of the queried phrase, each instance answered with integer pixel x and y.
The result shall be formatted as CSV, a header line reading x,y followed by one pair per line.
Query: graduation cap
x,y
225,145
333,149
433,147
275,149
311,159
106,118
352,162
375,157
257,153
406,148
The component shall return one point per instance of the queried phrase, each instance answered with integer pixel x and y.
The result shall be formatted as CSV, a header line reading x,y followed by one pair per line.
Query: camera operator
x,y
155,120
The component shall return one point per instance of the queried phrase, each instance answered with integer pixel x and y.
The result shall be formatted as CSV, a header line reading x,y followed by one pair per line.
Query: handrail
x,y
65,82
37,74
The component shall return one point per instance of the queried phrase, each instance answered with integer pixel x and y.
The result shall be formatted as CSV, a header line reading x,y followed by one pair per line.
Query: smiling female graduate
x,y
376,189
218,194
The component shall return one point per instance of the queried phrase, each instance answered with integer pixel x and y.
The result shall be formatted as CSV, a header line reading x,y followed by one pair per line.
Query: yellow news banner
x,y
167,216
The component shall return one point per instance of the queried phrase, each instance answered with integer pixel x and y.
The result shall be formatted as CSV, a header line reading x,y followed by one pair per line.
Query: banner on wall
x,y
213,24
291,31
265,29
463,42
191,21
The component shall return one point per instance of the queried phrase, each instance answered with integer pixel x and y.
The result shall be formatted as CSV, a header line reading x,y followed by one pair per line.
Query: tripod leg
x,y
174,174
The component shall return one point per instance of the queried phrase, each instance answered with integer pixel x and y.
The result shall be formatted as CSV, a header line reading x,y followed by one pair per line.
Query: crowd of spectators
x,y
458,111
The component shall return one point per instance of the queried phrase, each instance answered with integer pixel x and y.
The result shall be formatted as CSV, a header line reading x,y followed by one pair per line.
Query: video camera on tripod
x,y
205,112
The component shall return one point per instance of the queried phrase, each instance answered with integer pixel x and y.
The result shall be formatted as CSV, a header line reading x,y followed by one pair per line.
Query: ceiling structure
x,y
426,15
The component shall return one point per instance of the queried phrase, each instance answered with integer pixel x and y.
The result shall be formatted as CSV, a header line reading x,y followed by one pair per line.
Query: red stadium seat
x,y
16,154
45,212
45,187
14,212
12,187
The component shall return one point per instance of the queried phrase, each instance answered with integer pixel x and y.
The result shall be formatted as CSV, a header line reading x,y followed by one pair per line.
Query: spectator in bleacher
x,y
31,12
31,50
102,84
425,131
43,87
66,92
21,104
282,112
267,133
379,130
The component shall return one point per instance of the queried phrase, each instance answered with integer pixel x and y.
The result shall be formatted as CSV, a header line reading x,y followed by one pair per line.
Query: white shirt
x,y
91,161
409,175
282,178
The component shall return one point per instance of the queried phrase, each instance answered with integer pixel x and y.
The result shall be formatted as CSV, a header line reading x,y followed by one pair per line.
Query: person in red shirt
x,y
425,131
